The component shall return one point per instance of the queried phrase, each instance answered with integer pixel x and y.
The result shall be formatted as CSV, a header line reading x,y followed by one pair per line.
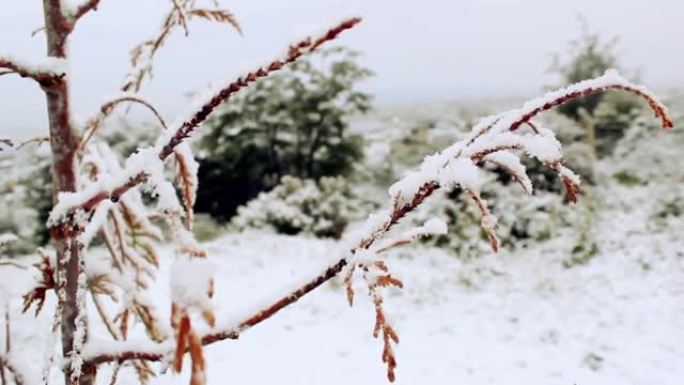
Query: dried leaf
x,y
182,339
217,15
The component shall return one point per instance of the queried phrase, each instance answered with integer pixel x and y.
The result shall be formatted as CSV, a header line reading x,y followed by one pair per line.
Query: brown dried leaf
x,y
188,183
388,280
182,339
348,283
209,317
197,376
571,189
123,324
217,15
144,371
47,282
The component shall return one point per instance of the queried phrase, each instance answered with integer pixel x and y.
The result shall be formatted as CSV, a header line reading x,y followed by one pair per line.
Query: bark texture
x,y
64,140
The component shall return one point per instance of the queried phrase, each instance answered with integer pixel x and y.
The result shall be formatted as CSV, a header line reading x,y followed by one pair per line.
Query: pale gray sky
x,y
421,50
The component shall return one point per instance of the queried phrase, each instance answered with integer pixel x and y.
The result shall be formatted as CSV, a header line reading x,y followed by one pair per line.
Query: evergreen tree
x,y
294,123
605,117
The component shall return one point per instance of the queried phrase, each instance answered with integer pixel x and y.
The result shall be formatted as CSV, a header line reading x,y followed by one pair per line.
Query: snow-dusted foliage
x,y
322,208
25,196
125,202
456,168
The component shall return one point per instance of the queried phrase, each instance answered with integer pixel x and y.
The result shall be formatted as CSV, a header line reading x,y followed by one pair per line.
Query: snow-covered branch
x,y
139,166
46,72
76,11
494,139
137,350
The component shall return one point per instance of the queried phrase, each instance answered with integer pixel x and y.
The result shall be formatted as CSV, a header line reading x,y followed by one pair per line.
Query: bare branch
x,y
94,123
182,15
37,31
38,140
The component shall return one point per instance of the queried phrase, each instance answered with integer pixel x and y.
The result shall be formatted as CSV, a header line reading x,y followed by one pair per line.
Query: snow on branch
x,y
495,140
73,12
46,72
434,226
96,353
140,165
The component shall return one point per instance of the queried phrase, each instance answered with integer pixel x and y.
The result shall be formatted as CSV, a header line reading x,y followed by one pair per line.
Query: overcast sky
x,y
422,50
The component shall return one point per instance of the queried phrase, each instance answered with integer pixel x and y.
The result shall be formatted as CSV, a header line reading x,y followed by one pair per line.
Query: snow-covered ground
x,y
517,317
512,318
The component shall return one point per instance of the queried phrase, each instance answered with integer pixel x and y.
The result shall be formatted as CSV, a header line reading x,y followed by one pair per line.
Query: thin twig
x,y
187,127
106,109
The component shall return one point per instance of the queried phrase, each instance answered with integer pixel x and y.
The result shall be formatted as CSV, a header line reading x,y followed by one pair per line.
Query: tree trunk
x,y
63,141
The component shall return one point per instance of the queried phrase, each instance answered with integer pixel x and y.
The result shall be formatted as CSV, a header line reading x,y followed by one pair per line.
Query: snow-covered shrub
x,y
322,208
207,228
604,117
537,219
669,209
25,197
294,123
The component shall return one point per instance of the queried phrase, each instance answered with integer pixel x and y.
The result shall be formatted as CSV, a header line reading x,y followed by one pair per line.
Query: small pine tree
x,y
605,117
